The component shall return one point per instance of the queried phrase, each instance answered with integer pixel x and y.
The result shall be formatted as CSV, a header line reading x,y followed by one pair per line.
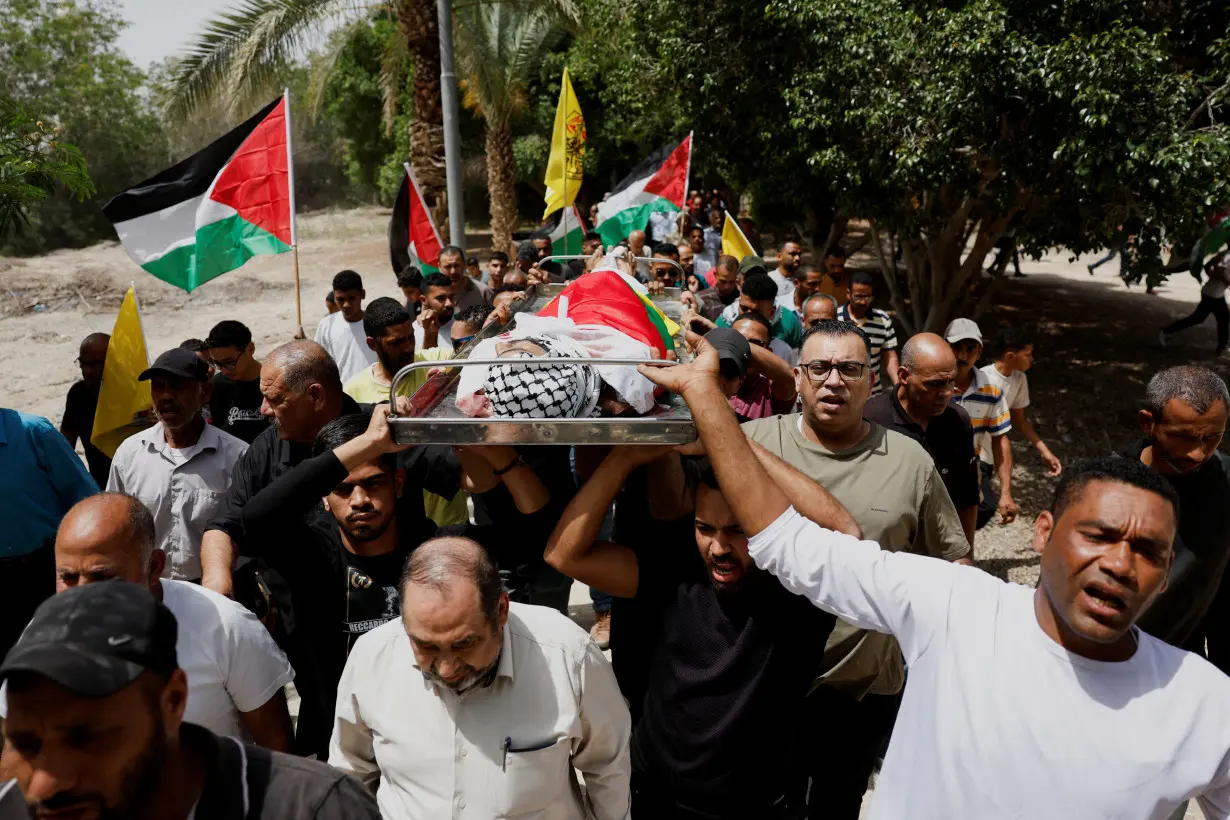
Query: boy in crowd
x,y
235,404
410,280
1014,357
341,334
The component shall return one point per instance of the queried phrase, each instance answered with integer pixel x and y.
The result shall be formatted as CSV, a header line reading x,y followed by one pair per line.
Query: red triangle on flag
x,y
671,180
424,237
255,181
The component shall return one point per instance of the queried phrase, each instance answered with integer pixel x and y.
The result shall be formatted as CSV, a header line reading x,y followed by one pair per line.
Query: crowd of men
x,y
790,602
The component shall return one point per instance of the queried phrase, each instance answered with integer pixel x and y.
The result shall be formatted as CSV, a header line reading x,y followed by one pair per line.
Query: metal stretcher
x,y
430,415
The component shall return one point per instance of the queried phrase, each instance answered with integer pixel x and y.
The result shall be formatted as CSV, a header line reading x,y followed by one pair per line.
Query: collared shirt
x,y
183,489
948,438
987,409
40,479
504,750
473,293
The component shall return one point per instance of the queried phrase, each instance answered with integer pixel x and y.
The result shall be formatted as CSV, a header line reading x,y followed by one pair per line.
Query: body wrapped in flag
x,y
602,315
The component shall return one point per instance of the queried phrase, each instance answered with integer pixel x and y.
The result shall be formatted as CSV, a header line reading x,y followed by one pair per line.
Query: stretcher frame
x,y
430,415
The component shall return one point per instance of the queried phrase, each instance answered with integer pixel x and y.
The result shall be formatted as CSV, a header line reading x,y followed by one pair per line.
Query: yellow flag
x,y
124,405
567,151
734,243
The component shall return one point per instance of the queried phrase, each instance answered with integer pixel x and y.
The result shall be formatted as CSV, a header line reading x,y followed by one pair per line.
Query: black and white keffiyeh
x,y
543,391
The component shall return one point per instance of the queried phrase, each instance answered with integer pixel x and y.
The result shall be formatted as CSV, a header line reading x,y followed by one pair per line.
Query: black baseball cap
x,y
96,639
178,362
731,347
751,263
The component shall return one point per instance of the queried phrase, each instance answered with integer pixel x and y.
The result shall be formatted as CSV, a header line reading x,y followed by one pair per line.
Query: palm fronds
x,y
499,46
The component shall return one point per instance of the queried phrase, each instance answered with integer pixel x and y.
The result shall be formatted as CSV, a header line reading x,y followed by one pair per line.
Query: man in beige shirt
x,y
469,706
890,485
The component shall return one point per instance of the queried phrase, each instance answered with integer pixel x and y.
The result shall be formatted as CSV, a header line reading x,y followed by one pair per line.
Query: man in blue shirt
x,y
40,479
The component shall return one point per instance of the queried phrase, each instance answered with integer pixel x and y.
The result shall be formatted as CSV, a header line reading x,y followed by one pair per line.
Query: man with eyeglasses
x,y
894,491
235,403
82,401
919,407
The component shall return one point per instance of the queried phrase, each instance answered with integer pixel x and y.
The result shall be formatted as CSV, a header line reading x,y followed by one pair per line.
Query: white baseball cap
x,y
961,329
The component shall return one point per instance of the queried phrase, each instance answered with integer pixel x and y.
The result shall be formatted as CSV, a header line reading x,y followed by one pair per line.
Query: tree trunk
x,y
418,24
501,186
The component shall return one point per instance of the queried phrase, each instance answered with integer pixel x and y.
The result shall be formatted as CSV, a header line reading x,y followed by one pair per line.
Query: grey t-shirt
x,y
889,484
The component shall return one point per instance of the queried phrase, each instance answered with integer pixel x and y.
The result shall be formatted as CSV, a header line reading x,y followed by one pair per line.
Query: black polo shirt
x,y
949,438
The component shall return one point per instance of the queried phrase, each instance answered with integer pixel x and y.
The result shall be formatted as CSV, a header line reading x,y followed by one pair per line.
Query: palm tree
x,y
240,55
500,47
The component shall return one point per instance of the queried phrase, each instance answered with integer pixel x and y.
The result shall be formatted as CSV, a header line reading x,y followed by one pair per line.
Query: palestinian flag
x,y
607,298
1211,242
566,239
660,183
413,238
215,210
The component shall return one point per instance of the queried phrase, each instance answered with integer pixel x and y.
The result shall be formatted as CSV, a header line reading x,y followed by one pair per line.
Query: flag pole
x,y
563,129
294,239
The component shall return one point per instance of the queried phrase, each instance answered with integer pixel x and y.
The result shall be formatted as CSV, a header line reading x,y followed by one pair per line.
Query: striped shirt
x,y
878,326
987,409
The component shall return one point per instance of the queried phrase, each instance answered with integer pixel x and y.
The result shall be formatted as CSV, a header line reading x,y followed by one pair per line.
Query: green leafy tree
x,y
33,163
948,123
59,61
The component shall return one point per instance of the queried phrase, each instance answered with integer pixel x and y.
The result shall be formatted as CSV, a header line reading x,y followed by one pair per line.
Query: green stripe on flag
x,y
616,228
220,247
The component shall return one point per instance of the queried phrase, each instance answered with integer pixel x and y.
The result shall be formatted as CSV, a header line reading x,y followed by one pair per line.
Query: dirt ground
x,y
1097,340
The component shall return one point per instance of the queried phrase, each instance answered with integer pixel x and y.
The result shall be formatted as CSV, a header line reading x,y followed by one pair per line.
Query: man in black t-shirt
x,y
1184,419
343,569
235,403
734,654
78,422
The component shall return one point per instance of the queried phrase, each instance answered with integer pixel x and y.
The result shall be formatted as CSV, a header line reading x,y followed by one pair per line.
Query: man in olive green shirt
x,y
889,484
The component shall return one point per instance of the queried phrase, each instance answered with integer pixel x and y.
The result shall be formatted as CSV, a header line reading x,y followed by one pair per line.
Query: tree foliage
x,y
947,123
33,163
60,63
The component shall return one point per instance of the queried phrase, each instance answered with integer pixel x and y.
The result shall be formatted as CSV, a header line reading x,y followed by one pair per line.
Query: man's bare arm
x,y
270,724
217,561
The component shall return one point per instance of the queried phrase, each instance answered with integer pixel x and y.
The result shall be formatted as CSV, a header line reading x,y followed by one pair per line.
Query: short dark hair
x,y
329,298
539,234
439,562
702,473
410,277
696,226
343,429
666,249
436,280
347,280
1011,339
229,333
1110,468
590,236
452,250
474,316
789,240
526,252
759,287
195,345
499,256
471,260
753,316
1197,387
837,327
381,314
836,251
509,287
862,278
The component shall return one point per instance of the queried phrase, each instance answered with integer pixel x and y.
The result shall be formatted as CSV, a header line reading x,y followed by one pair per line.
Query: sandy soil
x,y
1096,350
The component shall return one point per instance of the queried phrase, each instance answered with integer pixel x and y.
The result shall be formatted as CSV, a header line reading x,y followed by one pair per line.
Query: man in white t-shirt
x,y
1030,703
341,334
235,671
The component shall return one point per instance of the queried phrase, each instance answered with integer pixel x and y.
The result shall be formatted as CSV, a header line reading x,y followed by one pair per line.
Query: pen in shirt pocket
x,y
506,747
